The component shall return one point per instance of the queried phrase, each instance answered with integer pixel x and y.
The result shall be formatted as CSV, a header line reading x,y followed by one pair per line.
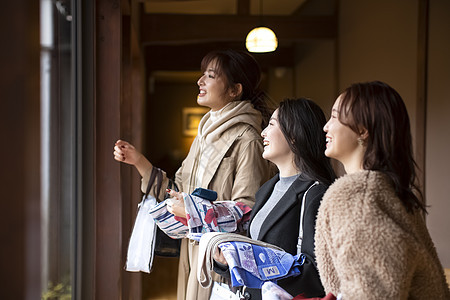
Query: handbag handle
x,y
302,211
156,175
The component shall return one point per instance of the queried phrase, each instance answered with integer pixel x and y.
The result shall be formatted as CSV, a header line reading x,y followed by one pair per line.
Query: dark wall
x,y
166,145
19,171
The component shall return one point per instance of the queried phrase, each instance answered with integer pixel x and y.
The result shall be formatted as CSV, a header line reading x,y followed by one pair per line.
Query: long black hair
x,y
379,109
238,66
301,122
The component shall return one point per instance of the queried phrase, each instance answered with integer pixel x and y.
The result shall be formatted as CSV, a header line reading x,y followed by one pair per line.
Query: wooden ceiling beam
x,y
243,7
188,57
172,29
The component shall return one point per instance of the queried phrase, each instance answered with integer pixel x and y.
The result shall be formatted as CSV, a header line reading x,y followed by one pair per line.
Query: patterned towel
x,y
208,244
167,222
252,265
204,215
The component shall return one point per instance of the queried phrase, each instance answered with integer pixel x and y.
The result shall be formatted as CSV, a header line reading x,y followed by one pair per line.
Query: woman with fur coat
x,y
371,238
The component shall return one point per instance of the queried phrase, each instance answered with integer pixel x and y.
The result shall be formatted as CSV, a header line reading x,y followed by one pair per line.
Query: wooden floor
x,y
161,283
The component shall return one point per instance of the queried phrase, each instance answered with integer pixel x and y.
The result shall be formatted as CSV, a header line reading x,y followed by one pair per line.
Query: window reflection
x,y
58,150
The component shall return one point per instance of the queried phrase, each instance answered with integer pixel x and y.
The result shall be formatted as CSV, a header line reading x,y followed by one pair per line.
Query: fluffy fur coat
x,y
369,247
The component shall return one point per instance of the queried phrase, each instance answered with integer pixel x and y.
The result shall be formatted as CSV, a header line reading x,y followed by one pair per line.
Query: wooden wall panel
x,y
108,201
119,97
20,167
130,130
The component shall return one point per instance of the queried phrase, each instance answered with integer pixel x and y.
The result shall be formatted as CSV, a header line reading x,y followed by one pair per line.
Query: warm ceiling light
x,y
261,39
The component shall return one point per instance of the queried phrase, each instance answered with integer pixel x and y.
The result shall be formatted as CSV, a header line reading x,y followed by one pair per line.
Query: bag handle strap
x,y
302,211
156,176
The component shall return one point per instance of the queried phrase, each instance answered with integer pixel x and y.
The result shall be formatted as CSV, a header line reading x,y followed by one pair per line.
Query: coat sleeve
x,y
251,171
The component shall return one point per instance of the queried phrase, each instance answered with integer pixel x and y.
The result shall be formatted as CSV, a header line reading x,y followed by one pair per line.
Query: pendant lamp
x,y
261,39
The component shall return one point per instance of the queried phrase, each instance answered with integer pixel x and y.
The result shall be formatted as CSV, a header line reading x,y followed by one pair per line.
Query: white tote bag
x,y
141,246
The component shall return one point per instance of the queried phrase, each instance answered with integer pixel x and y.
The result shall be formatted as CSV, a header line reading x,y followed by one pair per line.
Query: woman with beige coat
x,y
226,155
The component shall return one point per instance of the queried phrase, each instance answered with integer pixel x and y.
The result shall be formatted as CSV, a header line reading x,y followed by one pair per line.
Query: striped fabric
x,y
167,222
215,216
202,215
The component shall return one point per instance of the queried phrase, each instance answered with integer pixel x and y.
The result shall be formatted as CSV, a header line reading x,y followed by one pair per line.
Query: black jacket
x,y
281,228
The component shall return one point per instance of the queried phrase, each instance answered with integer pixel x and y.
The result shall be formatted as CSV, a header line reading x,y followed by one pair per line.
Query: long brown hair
x,y
379,109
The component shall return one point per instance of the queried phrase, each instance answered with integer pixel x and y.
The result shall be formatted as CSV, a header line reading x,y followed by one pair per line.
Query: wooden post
x,y
107,193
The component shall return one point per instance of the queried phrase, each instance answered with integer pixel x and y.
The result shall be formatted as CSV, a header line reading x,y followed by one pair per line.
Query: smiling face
x,y
213,89
342,142
276,147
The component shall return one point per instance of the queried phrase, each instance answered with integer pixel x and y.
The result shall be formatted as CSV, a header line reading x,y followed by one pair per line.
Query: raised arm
x,y
127,153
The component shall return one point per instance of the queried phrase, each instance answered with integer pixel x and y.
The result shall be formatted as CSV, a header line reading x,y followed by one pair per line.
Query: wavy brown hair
x,y
378,108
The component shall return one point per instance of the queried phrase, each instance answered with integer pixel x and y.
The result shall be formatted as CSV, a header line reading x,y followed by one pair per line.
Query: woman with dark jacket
x,y
295,143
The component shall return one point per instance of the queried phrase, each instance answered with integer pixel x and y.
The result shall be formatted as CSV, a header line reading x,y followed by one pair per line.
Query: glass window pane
x,y
58,150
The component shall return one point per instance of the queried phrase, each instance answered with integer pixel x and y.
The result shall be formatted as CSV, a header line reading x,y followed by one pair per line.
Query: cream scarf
x,y
215,123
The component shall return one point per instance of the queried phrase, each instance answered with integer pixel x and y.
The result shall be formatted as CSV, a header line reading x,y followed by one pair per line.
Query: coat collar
x,y
221,147
287,202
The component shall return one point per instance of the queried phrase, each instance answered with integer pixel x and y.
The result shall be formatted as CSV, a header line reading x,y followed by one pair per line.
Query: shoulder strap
x,y
302,211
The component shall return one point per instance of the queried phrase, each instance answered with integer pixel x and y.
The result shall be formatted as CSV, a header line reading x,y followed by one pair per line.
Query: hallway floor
x,y
161,283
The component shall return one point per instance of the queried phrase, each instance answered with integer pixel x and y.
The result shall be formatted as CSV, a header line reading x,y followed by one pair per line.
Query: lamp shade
x,y
261,39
